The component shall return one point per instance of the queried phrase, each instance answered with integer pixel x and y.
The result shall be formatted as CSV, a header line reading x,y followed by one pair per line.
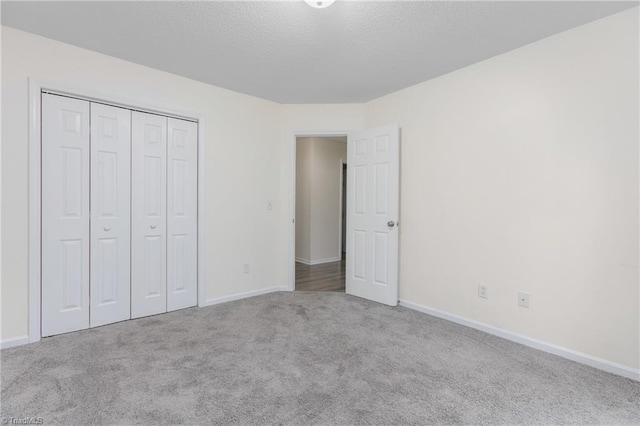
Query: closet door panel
x,y
110,214
65,214
148,212
182,214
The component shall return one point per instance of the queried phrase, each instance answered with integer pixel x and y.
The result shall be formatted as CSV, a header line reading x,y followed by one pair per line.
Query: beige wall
x,y
318,174
243,160
521,172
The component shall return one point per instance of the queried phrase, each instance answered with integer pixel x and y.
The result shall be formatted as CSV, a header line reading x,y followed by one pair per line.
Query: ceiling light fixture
x,y
319,4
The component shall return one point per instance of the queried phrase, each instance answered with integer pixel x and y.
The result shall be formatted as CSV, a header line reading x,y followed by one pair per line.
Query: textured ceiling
x,y
289,52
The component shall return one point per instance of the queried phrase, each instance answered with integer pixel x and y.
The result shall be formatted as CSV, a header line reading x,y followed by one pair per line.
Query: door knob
x,y
391,224
107,228
153,226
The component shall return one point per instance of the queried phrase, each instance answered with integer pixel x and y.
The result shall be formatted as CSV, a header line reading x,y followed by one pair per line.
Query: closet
x,y
119,214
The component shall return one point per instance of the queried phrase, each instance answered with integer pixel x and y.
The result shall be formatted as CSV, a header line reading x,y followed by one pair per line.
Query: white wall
x,y
521,172
318,213
243,159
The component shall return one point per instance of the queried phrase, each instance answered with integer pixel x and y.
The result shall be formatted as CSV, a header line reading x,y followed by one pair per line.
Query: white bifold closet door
x,y
110,214
85,214
65,214
149,214
164,210
182,214
119,214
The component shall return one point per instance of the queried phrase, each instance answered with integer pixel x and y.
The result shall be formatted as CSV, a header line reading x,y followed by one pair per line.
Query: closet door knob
x,y
153,226
107,228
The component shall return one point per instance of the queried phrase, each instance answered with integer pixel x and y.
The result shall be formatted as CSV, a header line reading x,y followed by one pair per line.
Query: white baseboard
x,y
15,341
328,260
238,296
319,261
599,363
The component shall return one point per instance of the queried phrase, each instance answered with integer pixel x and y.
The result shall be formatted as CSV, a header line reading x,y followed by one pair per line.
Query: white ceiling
x,y
289,52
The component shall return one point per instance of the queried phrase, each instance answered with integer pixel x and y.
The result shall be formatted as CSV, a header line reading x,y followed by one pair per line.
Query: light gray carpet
x,y
304,358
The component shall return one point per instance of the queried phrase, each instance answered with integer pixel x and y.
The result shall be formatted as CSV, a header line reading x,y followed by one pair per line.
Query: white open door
x,y
373,177
110,214
65,214
182,214
149,214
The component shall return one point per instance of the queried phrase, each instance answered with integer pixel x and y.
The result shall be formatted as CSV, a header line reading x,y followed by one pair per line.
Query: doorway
x,y
320,217
373,203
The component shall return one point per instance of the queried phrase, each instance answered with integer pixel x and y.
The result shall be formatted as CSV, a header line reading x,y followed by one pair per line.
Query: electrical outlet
x,y
483,291
523,299
246,268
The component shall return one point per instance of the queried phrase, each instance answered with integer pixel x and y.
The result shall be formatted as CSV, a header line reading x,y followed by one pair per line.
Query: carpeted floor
x,y
303,358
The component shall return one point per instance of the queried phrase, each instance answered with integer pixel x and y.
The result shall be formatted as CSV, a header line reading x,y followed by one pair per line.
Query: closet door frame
x,y
36,88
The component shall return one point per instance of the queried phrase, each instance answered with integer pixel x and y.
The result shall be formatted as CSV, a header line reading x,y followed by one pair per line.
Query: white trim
x,y
340,206
14,341
291,259
88,94
202,231
36,87
582,358
245,295
327,260
35,155
317,262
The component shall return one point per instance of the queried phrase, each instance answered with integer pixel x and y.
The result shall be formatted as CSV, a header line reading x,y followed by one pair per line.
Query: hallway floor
x,y
323,277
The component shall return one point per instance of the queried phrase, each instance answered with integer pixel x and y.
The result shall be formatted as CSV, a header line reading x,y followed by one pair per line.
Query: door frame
x,y
343,196
291,258
36,87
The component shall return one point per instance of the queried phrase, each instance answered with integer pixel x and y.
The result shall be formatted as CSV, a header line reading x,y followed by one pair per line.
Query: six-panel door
x,y
65,214
149,214
182,214
110,214
372,214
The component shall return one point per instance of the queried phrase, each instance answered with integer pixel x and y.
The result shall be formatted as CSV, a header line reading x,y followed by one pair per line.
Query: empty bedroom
x,y
327,212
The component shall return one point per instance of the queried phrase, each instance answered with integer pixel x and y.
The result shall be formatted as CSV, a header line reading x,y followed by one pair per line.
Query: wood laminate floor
x,y
323,277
